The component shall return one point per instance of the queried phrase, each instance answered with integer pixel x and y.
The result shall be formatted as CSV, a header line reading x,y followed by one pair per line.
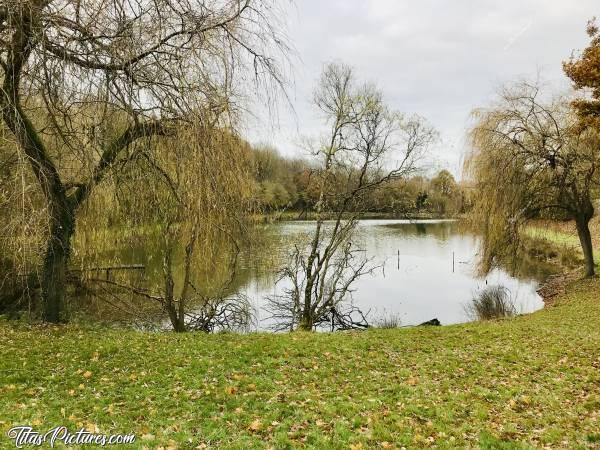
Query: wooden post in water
x,y
452,262
398,259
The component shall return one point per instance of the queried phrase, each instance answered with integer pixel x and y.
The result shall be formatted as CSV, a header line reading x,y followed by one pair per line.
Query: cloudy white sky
x,y
437,58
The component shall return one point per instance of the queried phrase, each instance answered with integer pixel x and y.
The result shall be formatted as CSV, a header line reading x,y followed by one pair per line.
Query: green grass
x,y
553,236
558,238
526,382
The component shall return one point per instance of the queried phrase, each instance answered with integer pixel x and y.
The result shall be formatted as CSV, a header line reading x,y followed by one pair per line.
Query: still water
x,y
416,279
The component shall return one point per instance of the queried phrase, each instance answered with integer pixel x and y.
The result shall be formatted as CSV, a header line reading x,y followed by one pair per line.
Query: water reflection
x,y
426,269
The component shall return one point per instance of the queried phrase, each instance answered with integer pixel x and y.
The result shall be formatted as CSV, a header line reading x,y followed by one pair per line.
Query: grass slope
x,y
531,381
564,234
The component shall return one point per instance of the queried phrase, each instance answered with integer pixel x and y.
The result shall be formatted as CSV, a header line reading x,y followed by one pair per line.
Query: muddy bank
x,y
555,285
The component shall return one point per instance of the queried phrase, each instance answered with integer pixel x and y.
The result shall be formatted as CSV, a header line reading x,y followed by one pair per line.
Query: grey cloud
x,y
437,58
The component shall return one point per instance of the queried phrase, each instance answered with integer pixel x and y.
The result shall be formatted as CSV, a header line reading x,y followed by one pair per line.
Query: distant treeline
x,y
285,184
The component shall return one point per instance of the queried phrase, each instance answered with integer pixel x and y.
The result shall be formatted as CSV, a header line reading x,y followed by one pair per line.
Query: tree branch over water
x,y
368,145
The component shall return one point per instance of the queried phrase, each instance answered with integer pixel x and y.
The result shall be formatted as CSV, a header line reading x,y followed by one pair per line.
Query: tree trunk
x,y
61,207
61,210
585,237
54,276
174,310
177,322
306,323
58,250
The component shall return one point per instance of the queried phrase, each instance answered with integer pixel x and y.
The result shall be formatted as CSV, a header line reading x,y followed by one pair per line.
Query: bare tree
x,y
83,81
531,156
367,145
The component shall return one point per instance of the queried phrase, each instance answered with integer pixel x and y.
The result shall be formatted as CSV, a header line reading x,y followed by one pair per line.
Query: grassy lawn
x,y
564,234
532,381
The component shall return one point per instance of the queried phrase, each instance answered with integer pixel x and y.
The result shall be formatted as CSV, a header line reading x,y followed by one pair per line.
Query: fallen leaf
x,y
92,428
231,390
412,381
255,426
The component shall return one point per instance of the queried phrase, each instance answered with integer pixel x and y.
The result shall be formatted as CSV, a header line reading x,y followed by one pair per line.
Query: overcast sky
x,y
437,58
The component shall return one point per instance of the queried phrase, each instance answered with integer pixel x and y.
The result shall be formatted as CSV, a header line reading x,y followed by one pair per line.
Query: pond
x,y
425,270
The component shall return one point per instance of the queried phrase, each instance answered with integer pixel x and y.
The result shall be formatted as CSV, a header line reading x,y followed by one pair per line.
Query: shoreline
x,y
555,285
288,216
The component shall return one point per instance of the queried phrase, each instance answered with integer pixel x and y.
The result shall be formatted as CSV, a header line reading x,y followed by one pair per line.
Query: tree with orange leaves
x,y
585,73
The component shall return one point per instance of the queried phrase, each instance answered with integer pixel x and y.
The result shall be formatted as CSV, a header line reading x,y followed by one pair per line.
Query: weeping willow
x,y
179,208
499,210
23,230
530,158
192,184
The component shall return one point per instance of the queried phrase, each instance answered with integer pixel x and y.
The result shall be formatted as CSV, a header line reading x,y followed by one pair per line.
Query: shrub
x,y
389,321
494,302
